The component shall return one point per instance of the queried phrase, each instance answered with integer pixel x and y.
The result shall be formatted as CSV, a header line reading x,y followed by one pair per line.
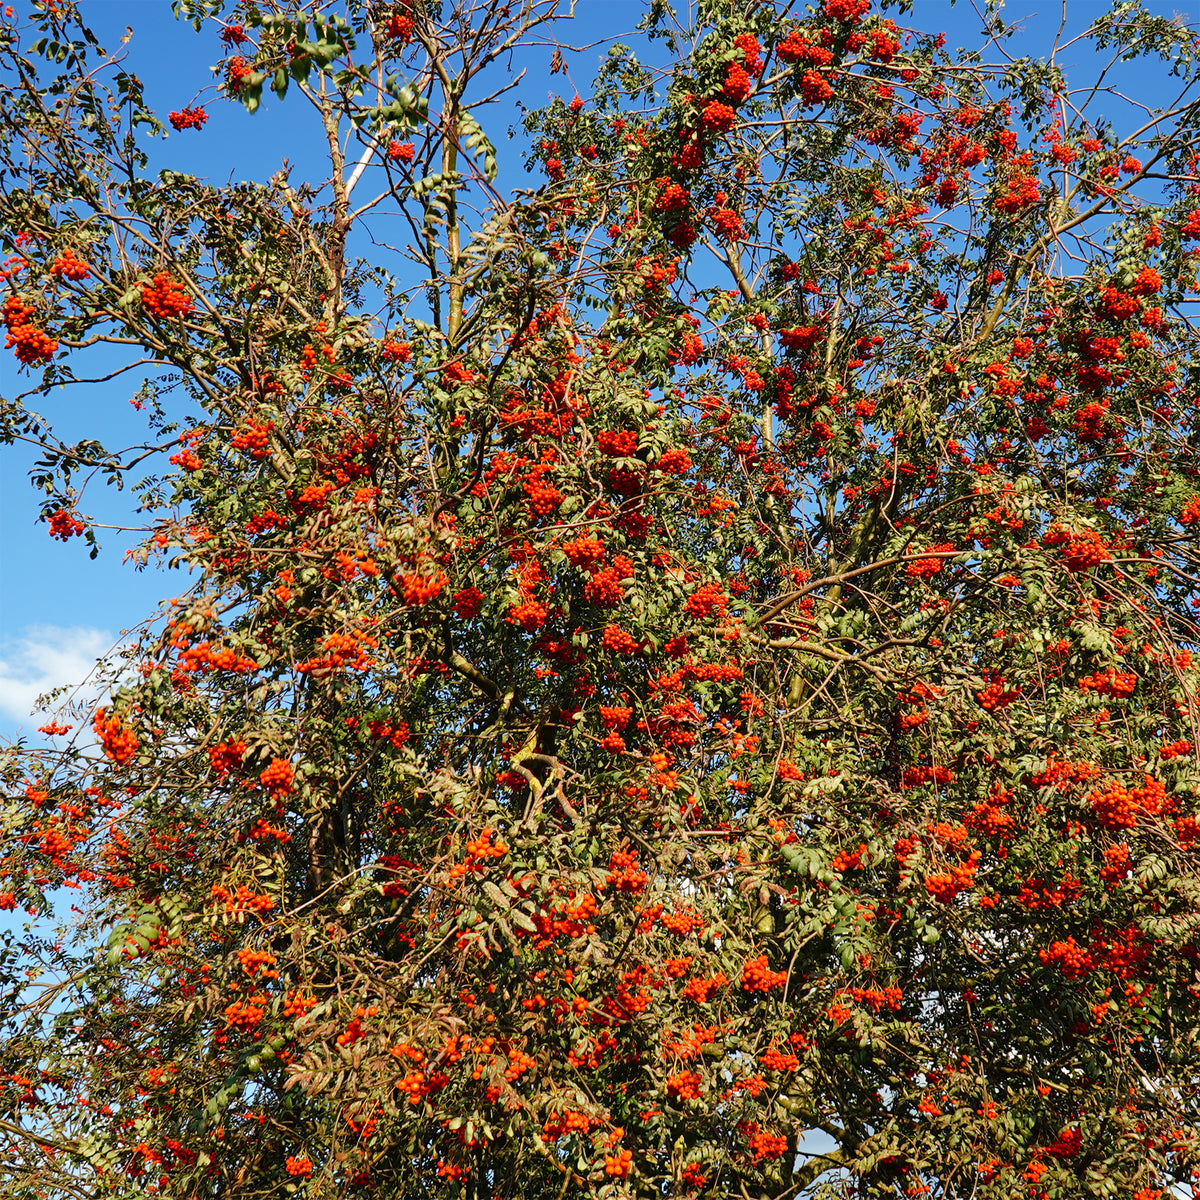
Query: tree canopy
x,y
682,679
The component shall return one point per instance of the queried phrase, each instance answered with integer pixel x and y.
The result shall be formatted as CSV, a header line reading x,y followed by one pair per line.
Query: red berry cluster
x,y
618,641
188,118
64,526
29,343
1081,550
278,778
399,28
625,872
758,977
67,266
706,600
166,298
119,743
255,440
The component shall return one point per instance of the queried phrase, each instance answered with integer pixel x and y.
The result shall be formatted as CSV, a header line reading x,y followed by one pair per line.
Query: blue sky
x,y
58,609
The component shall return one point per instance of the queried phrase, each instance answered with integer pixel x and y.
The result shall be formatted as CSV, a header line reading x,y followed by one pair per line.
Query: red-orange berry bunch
x,y
67,266
1080,550
64,526
625,872
618,1164
29,343
278,778
758,977
255,440
119,742
166,298
188,118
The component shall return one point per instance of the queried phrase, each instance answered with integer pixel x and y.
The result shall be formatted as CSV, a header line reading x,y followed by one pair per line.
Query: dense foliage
x,y
685,680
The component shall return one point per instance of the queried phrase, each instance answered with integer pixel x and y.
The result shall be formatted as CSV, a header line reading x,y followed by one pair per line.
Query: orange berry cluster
x,y
758,977
188,118
1109,683
877,999
202,657
420,588
618,444
718,117
1074,960
67,266
614,716
625,872
518,1063
529,615
64,526
775,1060
399,28
255,440
467,603
484,847
848,860
618,1164
584,551
226,755
243,900
1080,550
618,641
166,298
767,1145
705,601
703,990
996,695
254,962
685,1085
246,1014
343,652
1118,807
297,1004
278,778
120,743
416,1085
30,344
946,885
565,1124
604,587
354,1031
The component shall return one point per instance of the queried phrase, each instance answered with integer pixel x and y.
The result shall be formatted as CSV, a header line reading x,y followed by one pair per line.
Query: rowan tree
x,y
682,681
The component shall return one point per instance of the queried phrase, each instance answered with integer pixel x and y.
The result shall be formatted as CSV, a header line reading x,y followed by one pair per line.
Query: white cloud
x,y
42,658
